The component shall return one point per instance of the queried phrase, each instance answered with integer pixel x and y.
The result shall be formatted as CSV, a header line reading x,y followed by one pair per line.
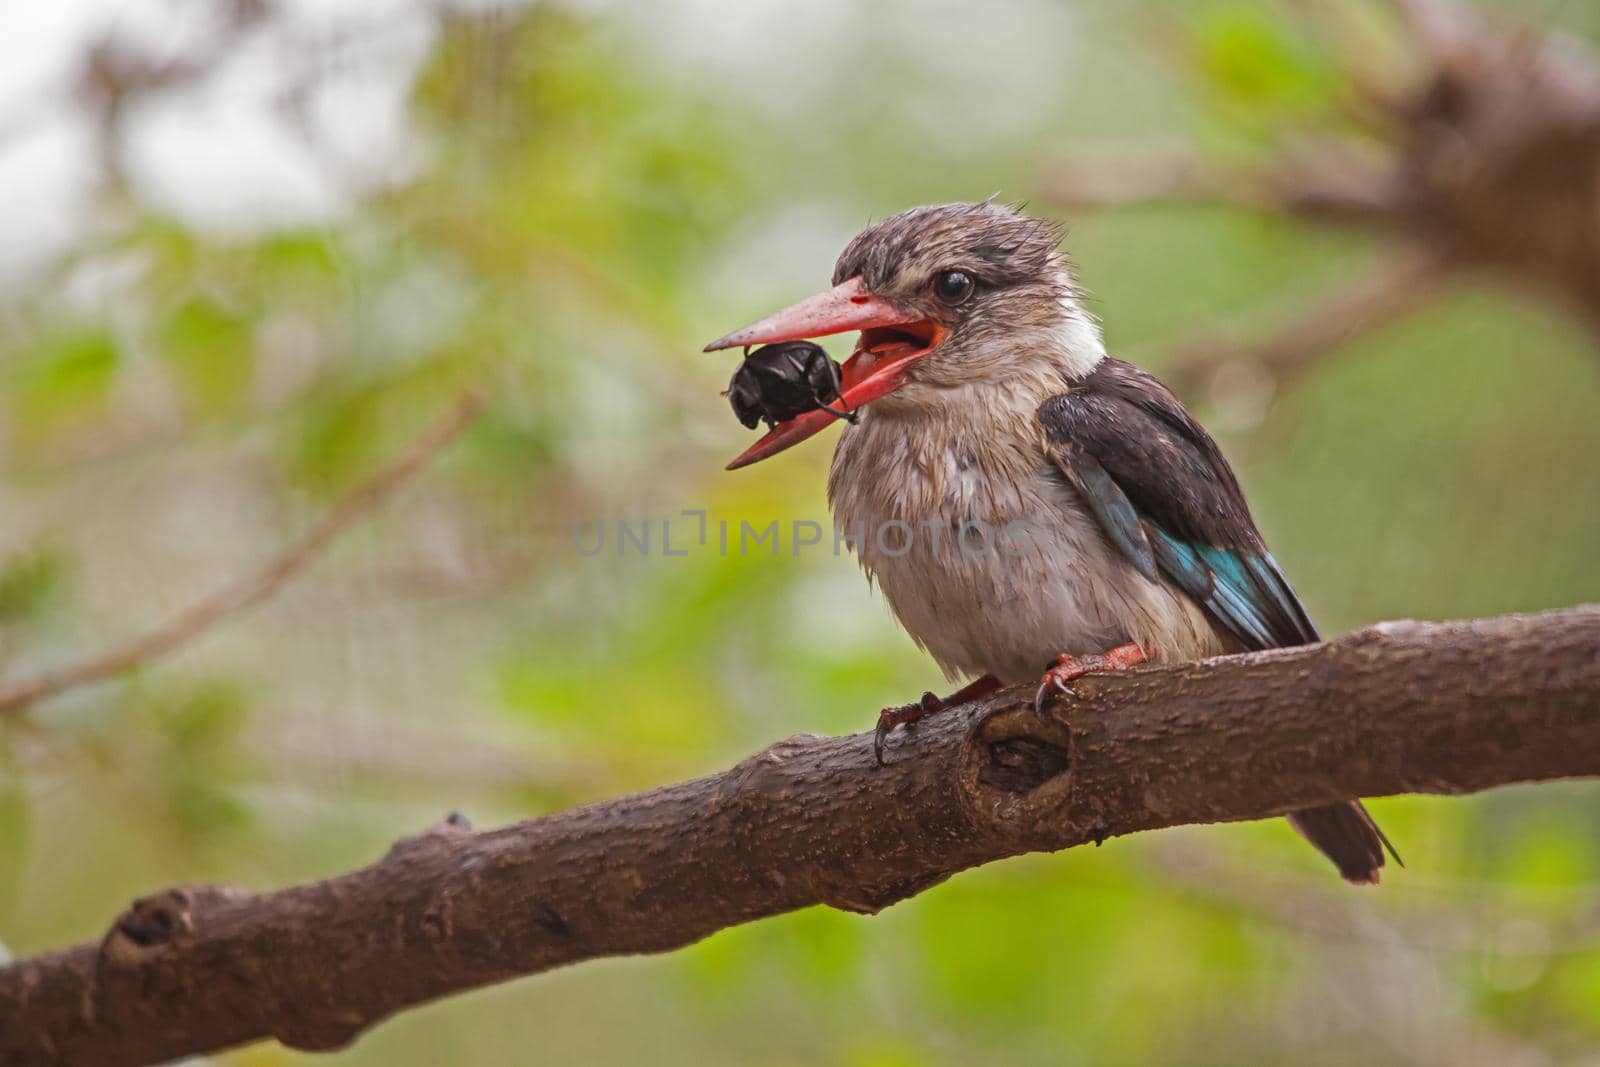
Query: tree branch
x,y
1322,182
1113,176
1487,158
1385,293
258,585
1401,707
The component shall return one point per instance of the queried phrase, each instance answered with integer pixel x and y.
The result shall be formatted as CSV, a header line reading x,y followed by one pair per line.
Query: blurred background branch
x,y
1485,158
1388,291
257,586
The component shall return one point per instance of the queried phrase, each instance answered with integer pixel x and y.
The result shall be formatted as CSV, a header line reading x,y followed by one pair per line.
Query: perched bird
x,y
1032,508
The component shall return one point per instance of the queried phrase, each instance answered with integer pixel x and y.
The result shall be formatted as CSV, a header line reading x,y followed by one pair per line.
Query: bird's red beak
x,y
891,340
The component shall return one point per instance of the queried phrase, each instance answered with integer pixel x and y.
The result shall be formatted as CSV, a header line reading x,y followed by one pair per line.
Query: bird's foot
x,y
906,714
1069,668
902,715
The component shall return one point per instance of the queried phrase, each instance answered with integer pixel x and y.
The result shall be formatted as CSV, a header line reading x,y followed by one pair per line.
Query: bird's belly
x,y
1022,585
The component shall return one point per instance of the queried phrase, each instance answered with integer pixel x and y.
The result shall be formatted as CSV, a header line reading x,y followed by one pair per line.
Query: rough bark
x,y
1402,707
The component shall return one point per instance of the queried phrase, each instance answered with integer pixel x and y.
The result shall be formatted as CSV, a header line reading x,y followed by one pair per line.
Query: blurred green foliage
x,y
30,584
599,190
1261,67
64,382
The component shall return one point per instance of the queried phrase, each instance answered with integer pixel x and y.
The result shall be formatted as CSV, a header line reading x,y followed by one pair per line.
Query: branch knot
x,y
153,923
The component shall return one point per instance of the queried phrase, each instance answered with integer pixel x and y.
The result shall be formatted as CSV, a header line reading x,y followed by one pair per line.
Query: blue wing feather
x,y
1268,576
1215,578
1116,513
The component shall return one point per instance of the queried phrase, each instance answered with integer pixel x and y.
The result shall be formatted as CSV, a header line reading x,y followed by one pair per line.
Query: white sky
x,y
226,153
230,154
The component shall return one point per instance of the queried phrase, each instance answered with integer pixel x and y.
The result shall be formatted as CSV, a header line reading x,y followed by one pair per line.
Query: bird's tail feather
x,y
1346,834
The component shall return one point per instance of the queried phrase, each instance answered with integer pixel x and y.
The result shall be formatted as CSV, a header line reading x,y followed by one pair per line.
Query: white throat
x,y
1076,341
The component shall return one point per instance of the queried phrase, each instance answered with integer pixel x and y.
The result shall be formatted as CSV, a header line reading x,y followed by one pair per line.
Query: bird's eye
x,y
953,286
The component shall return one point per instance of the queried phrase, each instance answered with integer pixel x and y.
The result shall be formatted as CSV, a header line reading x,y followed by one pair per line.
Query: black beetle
x,y
778,382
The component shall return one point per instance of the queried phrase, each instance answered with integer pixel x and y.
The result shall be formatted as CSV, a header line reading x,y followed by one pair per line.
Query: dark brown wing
x,y
1164,493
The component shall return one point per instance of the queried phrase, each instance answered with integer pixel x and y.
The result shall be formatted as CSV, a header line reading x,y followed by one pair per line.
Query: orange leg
x,y
1068,668
906,714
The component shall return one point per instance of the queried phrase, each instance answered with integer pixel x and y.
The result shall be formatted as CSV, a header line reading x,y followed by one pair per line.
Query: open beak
x,y
891,341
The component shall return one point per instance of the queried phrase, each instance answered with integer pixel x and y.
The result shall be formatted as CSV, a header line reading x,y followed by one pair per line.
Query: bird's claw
x,y
1065,669
1044,690
901,715
1069,668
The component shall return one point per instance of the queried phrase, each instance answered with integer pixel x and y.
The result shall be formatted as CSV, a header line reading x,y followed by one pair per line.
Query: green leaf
x,y
1259,63
30,584
202,717
338,441
67,378
300,258
209,351
200,727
